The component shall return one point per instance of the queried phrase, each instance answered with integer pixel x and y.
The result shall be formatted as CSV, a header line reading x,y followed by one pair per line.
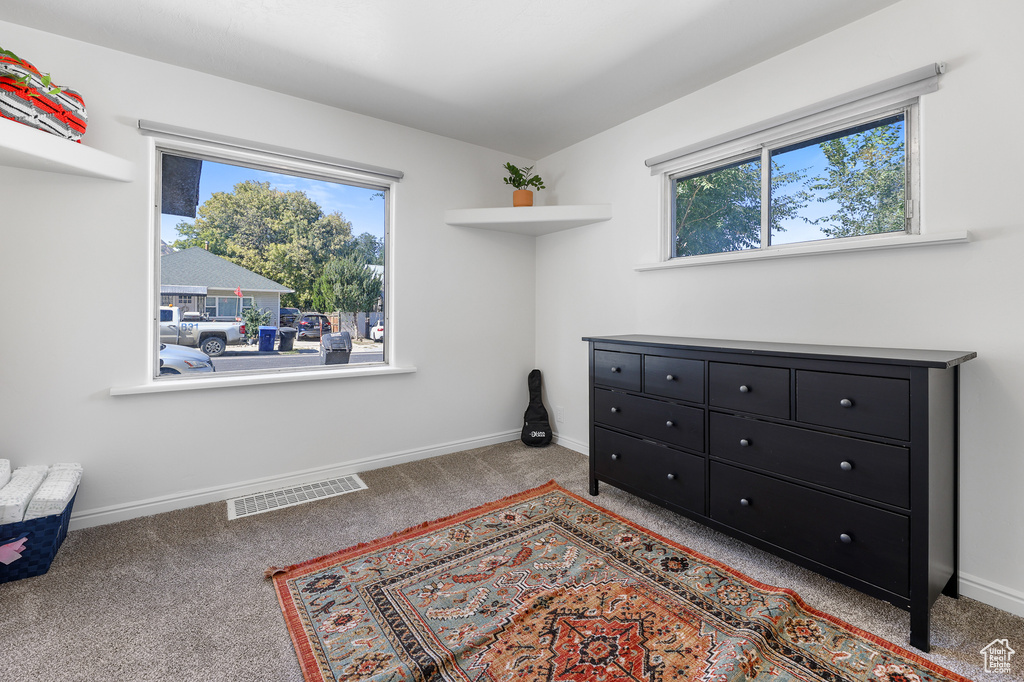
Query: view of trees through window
x,y
846,184
302,256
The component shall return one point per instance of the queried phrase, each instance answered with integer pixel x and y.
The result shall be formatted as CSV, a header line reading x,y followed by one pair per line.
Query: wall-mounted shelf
x,y
25,147
533,220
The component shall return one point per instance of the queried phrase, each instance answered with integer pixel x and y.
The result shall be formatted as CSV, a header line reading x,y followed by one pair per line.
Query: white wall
x,y
77,249
959,297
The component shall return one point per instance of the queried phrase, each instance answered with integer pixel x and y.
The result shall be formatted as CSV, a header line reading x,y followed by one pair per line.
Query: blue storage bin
x,y
267,338
43,538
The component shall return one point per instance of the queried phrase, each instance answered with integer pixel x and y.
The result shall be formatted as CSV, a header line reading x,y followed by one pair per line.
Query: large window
x,y
257,242
853,181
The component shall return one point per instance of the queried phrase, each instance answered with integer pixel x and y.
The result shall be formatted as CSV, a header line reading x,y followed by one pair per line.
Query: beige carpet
x,y
181,596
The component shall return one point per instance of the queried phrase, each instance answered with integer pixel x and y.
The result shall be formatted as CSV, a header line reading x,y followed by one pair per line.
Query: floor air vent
x,y
270,500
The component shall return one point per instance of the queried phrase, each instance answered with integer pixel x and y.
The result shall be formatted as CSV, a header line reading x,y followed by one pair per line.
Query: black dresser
x,y
840,459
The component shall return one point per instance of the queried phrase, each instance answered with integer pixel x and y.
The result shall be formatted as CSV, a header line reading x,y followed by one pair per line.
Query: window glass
x,y
259,240
847,184
719,210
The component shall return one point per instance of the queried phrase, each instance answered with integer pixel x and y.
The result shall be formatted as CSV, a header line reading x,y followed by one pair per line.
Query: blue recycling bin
x,y
267,338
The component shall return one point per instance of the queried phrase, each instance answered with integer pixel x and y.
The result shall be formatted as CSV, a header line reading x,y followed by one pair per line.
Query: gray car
x,y
175,359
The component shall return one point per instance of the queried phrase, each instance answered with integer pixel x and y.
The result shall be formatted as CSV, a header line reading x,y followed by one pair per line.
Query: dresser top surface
x,y
942,359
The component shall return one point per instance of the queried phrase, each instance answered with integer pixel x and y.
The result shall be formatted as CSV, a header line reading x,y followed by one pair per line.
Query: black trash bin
x,y
335,348
287,341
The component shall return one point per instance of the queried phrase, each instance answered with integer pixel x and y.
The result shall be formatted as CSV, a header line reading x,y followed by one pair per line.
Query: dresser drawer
x,y
674,378
665,473
674,424
872,470
758,390
875,405
617,370
856,539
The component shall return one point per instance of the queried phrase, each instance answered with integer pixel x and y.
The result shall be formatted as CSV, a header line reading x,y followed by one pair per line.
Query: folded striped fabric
x,y
37,103
55,492
15,496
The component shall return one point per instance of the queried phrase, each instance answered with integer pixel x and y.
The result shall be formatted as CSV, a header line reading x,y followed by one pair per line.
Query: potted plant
x,y
522,179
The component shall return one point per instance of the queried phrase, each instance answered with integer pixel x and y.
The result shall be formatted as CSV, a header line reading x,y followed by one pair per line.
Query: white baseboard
x,y
993,594
165,503
572,444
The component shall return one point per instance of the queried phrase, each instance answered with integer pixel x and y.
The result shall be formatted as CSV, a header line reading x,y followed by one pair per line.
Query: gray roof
x,y
199,267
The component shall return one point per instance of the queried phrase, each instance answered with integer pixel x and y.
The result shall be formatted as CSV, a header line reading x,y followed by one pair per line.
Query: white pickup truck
x,y
212,338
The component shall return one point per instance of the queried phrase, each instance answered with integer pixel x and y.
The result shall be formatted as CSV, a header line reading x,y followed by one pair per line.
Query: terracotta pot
x,y
522,197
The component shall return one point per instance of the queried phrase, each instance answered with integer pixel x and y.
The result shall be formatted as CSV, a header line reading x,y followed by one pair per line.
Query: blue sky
x,y
811,160
357,204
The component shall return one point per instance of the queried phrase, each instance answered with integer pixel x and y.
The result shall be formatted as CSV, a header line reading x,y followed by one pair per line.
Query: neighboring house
x,y
197,280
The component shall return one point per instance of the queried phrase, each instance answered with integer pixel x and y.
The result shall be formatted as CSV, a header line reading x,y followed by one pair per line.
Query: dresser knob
x,y
745,502
614,410
671,477
744,442
846,466
615,456
616,370
670,424
846,402
670,378
845,539
744,389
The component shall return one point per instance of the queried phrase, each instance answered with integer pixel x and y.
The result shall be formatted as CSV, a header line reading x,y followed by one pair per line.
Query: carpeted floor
x,y
181,596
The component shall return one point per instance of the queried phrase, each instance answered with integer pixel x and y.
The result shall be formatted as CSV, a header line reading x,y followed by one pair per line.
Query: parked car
x,y
313,326
377,333
175,359
288,316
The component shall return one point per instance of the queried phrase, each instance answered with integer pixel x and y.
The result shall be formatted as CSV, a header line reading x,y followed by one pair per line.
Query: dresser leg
x,y
920,621
952,588
593,487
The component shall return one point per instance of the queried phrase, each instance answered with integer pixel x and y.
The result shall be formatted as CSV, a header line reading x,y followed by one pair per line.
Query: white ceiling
x,y
527,77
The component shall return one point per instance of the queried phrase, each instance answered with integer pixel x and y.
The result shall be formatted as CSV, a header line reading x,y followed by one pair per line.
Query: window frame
x,y
760,147
275,162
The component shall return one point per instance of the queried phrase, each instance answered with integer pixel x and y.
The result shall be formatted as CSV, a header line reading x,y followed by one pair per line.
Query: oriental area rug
x,y
544,585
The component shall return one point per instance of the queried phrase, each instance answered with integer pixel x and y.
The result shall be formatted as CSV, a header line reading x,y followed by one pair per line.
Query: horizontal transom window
x,y
850,182
846,168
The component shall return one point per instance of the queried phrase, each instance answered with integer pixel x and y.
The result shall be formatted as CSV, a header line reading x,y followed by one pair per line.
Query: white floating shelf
x,y
533,220
24,147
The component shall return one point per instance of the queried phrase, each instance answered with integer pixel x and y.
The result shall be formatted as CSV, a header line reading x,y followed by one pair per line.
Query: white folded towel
x,y
18,492
55,492
5,472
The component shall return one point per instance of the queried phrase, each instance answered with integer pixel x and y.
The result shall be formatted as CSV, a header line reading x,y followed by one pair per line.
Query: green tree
x,y
284,236
721,210
347,285
366,248
254,318
866,178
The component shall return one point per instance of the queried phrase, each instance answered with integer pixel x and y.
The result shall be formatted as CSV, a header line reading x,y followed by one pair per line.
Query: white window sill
x,y
228,380
871,243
